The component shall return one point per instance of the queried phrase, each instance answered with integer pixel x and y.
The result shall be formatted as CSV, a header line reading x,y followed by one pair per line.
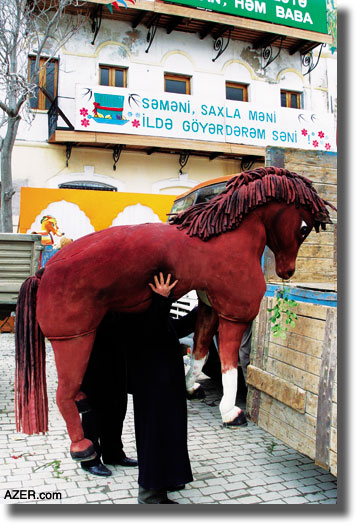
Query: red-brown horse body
x,y
111,269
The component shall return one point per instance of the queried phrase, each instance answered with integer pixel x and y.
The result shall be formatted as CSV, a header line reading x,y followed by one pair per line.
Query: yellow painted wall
x,y
101,207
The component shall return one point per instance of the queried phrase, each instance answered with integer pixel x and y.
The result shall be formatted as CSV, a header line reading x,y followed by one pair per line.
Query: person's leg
x,y
90,428
160,413
245,349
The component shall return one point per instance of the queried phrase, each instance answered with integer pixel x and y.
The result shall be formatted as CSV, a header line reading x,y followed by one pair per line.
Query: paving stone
x,y
315,497
249,500
309,489
255,482
269,496
273,487
274,502
212,490
295,500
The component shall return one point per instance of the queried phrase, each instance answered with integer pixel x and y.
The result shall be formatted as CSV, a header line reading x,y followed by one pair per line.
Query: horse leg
x,y
206,327
230,337
72,356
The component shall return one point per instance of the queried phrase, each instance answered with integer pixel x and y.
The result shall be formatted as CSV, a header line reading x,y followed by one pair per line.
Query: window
x,y
86,185
176,84
113,76
290,99
46,78
236,91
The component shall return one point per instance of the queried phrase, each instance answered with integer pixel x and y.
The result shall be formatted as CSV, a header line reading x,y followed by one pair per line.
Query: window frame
x,y
41,106
238,85
288,98
180,78
112,70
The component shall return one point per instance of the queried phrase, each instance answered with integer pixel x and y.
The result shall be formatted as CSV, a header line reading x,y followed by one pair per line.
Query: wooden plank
x,y
316,311
288,435
333,463
277,388
301,344
327,375
302,422
311,406
85,137
308,327
259,332
304,380
316,250
297,359
309,158
324,238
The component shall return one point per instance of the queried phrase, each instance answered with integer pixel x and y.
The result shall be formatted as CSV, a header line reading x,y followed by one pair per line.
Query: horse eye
x,y
303,229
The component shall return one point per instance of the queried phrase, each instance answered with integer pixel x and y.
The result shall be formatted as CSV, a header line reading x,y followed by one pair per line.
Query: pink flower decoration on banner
x,y
83,112
304,132
135,123
85,122
315,143
327,146
321,134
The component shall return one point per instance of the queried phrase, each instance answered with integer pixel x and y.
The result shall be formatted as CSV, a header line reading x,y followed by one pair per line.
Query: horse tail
x,y
31,404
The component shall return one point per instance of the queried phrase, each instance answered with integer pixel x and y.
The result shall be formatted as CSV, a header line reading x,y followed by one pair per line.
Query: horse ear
x,y
323,217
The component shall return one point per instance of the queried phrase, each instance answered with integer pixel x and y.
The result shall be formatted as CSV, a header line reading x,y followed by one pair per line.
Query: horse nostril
x,y
290,273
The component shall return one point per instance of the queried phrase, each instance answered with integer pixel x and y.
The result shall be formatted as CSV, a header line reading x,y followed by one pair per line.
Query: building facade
x,y
155,97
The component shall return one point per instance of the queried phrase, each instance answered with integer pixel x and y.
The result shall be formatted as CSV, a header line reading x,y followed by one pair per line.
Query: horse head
x,y
287,228
287,203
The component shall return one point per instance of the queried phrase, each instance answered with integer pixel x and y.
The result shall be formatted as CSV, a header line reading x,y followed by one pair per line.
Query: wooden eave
x,y
149,145
189,20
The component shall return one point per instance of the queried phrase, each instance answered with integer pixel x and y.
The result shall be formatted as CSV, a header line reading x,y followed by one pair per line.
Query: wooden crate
x,y
293,382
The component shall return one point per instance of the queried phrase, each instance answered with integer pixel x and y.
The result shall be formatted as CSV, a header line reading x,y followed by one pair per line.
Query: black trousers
x,y
160,411
105,384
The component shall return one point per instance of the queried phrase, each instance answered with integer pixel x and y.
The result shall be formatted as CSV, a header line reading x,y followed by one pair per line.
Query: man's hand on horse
x,y
161,286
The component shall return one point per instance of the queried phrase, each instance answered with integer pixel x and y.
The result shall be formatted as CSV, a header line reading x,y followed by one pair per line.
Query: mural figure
x,y
214,247
49,228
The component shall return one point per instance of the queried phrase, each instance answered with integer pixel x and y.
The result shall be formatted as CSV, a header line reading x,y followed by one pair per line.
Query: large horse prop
x,y
213,247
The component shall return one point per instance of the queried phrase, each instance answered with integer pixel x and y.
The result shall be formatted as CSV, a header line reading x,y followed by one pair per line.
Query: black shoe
x,y
197,394
123,462
97,470
239,421
174,489
153,497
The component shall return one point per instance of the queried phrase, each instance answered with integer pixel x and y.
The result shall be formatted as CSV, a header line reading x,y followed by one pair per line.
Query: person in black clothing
x,y
157,382
145,349
104,408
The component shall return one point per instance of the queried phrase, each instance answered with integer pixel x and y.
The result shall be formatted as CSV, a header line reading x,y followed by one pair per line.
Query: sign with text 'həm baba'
x,y
304,14
118,110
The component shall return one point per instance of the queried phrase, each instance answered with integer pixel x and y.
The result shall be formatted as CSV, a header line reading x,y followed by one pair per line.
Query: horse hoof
x,y
239,421
197,394
83,455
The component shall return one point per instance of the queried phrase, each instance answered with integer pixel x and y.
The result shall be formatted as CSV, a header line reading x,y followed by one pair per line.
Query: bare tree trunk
x,y
7,190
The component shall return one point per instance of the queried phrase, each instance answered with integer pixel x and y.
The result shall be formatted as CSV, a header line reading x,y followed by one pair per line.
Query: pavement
x,y
241,466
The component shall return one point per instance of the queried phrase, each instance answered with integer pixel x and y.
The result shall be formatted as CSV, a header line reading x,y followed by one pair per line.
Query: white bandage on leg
x,y
196,366
228,410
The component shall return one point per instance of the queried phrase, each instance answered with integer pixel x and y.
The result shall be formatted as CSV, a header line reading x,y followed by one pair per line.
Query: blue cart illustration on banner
x,y
108,109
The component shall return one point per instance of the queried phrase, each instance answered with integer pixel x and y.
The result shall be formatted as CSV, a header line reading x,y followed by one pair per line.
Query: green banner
x,y
303,14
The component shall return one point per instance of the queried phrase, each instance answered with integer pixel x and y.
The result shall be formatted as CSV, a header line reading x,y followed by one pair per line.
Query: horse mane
x,y
246,191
